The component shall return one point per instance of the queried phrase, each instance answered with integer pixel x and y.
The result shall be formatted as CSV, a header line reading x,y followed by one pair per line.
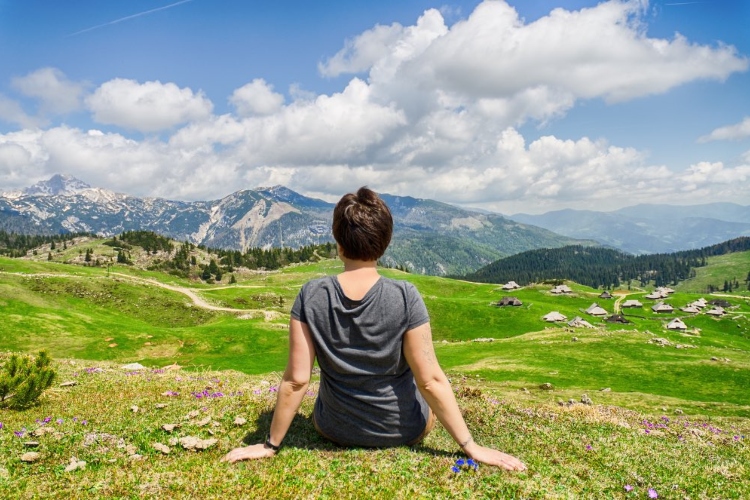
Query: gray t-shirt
x,y
368,396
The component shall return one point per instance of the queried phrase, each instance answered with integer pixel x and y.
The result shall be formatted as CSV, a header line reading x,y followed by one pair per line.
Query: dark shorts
x,y
431,419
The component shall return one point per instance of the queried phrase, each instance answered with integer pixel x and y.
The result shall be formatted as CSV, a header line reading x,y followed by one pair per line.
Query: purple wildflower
x,y
47,420
1,426
460,462
273,388
20,433
652,493
59,421
736,438
628,487
455,469
589,447
84,422
256,391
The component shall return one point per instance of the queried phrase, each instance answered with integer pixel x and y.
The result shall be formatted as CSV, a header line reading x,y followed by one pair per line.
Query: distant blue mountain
x,y
649,228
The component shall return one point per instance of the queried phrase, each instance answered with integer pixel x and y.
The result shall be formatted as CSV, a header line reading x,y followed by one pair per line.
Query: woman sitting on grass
x,y
380,383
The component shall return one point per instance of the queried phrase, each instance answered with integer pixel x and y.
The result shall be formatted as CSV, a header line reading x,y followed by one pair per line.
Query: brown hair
x,y
362,225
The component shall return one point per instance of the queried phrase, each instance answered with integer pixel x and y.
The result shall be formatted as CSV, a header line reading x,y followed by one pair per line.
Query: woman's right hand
x,y
493,457
248,453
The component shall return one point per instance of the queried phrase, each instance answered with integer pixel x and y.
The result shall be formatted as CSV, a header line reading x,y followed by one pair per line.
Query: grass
x,y
574,451
733,266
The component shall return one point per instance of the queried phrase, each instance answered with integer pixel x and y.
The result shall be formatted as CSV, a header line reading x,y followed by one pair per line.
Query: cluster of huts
x,y
597,311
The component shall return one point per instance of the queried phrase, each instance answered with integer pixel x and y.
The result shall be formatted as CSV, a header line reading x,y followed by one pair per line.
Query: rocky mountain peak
x,y
58,184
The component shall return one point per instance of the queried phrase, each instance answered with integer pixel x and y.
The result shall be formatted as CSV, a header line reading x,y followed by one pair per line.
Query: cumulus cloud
x,y
432,110
147,107
56,93
12,112
737,131
256,98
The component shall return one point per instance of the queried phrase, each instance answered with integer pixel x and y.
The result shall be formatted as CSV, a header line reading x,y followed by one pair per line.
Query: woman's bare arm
x,y
434,386
292,389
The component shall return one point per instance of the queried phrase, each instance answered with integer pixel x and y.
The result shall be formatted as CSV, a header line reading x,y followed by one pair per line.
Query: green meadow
x,y
670,414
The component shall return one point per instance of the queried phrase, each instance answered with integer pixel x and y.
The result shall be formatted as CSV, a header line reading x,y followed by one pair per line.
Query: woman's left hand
x,y
248,453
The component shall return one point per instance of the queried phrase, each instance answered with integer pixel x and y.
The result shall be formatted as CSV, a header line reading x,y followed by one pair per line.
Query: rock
x,y
483,339
203,422
112,345
135,456
574,339
585,399
41,431
173,441
240,421
161,448
31,444
194,443
678,411
30,457
147,343
192,415
131,449
170,427
174,366
606,389
134,409
523,389
160,406
70,383
714,358
571,402
546,386
109,339
560,402
75,464
133,367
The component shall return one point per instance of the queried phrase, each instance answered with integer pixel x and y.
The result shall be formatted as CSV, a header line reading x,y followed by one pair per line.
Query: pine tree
x,y
49,256
23,379
232,280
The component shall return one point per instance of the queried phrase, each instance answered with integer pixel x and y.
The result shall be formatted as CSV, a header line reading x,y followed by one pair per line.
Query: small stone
x,y
70,383
211,432
174,366
192,415
606,389
160,406
546,386
75,464
714,358
240,421
131,449
574,339
170,427
678,411
31,444
112,345
147,343
560,402
161,448
134,409
43,430
194,443
30,457
173,442
135,456
571,402
203,422
523,389
109,339
585,399
133,367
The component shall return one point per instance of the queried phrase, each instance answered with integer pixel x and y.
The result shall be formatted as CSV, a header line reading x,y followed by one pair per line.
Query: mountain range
x,y
649,228
429,237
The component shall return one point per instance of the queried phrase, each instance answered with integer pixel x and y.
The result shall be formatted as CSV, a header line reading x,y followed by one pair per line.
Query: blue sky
x,y
518,106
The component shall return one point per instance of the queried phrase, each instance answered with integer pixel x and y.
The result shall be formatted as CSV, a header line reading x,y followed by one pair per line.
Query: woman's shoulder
x,y
402,285
318,283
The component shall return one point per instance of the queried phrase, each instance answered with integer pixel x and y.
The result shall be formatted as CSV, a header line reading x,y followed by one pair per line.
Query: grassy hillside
x,y
721,268
672,415
112,420
125,314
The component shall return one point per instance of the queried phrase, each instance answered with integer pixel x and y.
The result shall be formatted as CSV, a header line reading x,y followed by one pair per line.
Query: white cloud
x,y
12,112
147,107
256,98
56,93
730,132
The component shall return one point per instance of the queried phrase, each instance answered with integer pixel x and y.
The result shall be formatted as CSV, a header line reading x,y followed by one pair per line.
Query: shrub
x,y
23,379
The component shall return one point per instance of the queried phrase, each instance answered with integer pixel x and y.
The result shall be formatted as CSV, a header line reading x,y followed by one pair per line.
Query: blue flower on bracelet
x,y
462,464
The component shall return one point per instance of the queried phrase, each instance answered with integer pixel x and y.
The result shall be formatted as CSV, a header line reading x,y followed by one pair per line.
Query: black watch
x,y
270,446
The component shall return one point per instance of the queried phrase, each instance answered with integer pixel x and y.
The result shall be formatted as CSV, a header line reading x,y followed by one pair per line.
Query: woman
x,y
380,383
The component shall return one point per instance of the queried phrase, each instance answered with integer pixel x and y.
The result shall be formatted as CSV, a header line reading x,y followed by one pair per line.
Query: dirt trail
x,y
197,299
